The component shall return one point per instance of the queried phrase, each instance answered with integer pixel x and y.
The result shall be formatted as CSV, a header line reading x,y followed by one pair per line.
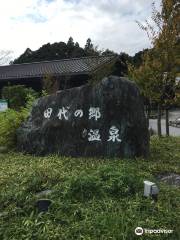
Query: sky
x,y
109,23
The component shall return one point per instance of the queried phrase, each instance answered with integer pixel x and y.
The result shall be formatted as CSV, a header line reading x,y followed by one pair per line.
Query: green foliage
x,y
101,73
119,182
84,187
156,74
102,183
91,198
71,49
60,50
10,121
44,93
17,95
90,49
148,77
49,84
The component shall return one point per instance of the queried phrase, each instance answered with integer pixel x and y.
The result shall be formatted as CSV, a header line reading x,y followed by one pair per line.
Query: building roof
x,y
85,65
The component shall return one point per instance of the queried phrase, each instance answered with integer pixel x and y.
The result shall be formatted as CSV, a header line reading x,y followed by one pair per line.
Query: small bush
x,y
10,121
17,95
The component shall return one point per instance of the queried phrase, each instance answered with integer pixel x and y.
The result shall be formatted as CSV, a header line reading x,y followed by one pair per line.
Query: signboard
x,y
3,105
99,120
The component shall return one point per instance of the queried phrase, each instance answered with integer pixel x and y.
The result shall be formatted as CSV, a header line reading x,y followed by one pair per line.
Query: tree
x,y
78,51
147,77
49,84
56,51
70,46
89,44
161,61
138,57
18,95
70,42
90,49
166,45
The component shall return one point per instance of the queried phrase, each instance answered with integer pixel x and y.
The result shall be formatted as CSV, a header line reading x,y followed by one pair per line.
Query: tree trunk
x,y
167,122
159,120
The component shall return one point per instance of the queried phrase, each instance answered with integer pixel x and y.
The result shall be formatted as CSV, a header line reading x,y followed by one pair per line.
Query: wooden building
x,y
65,73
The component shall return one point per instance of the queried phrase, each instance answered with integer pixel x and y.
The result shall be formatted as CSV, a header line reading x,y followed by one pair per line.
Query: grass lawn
x,y
91,198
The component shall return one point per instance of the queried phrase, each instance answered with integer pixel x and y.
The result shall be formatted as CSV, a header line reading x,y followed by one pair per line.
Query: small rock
x,y
171,179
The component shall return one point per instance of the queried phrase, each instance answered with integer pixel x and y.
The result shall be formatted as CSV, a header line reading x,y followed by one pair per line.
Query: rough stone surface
x,y
117,129
171,179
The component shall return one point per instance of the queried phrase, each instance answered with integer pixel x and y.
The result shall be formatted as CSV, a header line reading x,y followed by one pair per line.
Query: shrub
x,y
49,84
17,95
10,121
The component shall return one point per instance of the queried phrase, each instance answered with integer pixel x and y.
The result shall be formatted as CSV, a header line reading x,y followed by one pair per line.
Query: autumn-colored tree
x,y
166,45
159,66
148,77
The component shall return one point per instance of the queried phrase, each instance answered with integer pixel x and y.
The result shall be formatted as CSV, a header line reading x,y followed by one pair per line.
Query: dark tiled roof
x,y
62,67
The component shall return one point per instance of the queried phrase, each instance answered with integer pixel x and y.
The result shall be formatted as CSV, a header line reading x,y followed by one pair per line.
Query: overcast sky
x,y
109,23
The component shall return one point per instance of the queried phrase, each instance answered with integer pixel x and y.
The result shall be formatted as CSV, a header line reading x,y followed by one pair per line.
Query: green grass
x,y
91,199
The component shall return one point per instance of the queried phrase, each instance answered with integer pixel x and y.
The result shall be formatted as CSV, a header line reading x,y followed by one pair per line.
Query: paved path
x,y
174,131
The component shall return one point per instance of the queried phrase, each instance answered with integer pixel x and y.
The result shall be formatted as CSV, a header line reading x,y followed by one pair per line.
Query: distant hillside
x,y
57,51
70,49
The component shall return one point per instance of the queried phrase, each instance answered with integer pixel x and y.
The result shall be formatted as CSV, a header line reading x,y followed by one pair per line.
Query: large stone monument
x,y
105,119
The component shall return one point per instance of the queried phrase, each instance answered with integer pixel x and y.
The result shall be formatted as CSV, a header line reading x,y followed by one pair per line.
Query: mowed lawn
x,y
91,198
